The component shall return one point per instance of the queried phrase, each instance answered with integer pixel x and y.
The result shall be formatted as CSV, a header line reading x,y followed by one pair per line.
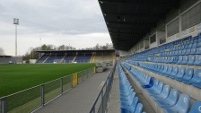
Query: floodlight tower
x,y
16,22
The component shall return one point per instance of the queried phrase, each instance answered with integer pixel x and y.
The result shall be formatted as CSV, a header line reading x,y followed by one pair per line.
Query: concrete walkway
x,y
114,102
79,99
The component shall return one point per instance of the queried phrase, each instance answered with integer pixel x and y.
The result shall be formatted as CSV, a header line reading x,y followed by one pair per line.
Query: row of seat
x,y
128,99
183,60
182,74
166,97
187,46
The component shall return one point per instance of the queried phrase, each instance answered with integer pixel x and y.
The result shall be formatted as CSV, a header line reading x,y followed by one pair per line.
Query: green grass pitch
x,y
18,77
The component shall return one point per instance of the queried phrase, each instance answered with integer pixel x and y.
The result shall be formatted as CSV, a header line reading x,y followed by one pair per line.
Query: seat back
x,y
160,87
180,59
175,71
139,108
198,50
189,74
198,60
185,60
183,103
125,110
165,91
169,70
165,69
191,59
197,77
134,104
196,107
181,72
173,97
193,51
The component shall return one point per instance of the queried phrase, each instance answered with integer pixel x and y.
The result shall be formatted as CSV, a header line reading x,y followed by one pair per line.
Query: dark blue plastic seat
x,y
196,107
182,106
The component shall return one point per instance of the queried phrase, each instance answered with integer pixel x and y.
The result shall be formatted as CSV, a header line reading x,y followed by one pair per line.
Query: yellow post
x,y
94,69
74,79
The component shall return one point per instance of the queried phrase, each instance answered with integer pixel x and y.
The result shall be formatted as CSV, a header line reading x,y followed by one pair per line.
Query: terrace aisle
x,y
79,99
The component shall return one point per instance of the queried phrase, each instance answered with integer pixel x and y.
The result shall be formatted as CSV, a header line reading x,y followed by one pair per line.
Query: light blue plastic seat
x,y
196,107
193,51
169,71
182,106
129,108
198,51
164,69
174,72
175,59
184,60
171,100
188,75
158,89
199,44
197,60
188,51
181,73
139,108
180,60
164,94
191,60
183,52
196,80
179,52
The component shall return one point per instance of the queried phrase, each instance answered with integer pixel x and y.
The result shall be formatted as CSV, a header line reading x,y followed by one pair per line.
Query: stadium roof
x,y
72,51
128,21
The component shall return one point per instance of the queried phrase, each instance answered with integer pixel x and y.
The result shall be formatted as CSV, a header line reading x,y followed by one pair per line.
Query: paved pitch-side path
x,y
79,99
114,103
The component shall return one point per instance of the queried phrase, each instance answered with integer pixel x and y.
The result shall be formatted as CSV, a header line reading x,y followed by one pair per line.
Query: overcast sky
x,y
78,23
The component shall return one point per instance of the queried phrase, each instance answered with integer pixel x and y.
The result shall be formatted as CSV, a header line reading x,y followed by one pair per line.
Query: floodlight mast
x,y
16,22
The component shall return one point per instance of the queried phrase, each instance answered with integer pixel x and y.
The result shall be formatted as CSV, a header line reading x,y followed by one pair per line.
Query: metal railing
x,y
100,103
34,98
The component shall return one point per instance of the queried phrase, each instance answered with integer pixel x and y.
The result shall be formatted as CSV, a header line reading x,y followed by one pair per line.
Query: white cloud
x,y
76,22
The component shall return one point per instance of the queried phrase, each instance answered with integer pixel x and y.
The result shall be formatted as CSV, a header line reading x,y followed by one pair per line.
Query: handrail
x,y
103,97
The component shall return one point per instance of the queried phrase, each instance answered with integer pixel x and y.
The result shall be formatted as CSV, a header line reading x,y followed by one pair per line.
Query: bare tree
x,y
1,51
